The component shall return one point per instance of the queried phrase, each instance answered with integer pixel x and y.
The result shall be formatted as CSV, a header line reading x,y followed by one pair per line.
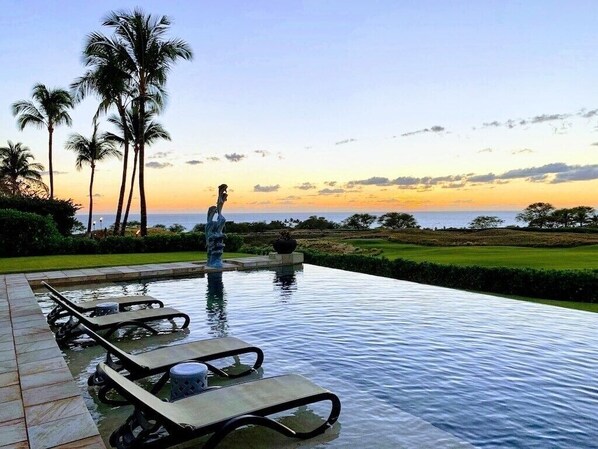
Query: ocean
x,y
431,220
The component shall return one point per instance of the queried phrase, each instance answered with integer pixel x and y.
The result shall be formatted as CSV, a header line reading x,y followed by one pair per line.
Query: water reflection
x,y
216,305
286,281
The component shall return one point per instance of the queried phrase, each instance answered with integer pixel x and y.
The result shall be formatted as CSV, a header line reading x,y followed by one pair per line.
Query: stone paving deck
x,y
40,404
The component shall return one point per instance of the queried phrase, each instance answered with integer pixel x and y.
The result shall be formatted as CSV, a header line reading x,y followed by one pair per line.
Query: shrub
x,y
24,234
233,242
61,211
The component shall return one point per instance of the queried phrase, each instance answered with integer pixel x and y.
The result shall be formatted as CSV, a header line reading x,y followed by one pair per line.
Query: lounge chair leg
x,y
134,432
53,315
68,331
97,379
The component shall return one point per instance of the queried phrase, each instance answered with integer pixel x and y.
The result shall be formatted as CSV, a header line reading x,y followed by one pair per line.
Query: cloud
x,y
549,118
331,191
160,155
343,142
577,173
493,124
482,178
290,198
213,158
330,183
56,172
263,153
558,167
588,114
485,150
595,144
159,165
373,181
194,162
259,188
554,173
433,129
406,181
522,151
306,186
97,195
234,157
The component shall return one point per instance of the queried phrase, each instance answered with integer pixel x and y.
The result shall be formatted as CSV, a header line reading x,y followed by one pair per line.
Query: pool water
x,y
415,366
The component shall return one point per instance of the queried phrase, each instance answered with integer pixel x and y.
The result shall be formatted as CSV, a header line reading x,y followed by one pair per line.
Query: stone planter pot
x,y
285,246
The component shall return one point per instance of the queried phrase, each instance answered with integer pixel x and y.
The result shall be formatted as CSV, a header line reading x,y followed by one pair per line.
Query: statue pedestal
x,y
286,259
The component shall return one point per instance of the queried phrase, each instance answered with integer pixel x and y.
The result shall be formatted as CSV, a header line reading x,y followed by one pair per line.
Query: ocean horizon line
x,y
425,219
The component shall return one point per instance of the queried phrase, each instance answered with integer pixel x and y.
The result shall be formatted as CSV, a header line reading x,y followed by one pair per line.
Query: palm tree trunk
x,y
50,166
123,182
142,203
128,208
90,200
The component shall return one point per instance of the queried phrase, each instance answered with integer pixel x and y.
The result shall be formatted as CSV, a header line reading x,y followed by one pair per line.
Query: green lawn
x,y
49,263
576,258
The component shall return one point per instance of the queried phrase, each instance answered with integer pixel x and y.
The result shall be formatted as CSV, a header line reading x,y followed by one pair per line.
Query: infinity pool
x,y
415,366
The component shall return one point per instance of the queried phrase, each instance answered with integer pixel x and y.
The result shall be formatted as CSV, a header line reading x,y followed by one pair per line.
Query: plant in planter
x,y
285,244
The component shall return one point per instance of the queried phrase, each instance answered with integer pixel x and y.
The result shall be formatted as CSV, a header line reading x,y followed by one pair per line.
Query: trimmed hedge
x,y
62,211
25,234
563,285
45,242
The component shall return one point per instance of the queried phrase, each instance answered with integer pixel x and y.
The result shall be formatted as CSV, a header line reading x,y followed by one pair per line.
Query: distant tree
x,y
315,222
560,218
582,214
593,220
18,174
277,224
398,220
176,228
90,152
359,221
199,227
536,215
160,226
47,110
485,222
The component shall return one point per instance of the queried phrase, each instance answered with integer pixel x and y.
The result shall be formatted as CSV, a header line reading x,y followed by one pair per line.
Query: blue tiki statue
x,y
215,230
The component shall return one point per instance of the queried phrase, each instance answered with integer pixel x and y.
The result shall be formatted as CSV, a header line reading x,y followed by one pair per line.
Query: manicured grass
x,y
49,263
576,258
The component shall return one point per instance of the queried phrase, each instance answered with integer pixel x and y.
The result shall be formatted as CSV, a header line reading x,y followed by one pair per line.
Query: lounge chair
x,y
160,360
159,424
113,322
124,303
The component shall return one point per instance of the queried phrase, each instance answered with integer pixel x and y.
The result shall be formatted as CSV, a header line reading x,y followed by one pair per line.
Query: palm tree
x,y
17,173
111,83
91,151
148,57
152,132
47,110
109,80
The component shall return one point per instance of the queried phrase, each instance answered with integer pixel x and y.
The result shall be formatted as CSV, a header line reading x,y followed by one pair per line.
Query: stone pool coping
x,y
41,406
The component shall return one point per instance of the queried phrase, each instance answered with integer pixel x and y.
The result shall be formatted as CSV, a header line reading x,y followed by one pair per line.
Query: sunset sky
x,y
338,105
